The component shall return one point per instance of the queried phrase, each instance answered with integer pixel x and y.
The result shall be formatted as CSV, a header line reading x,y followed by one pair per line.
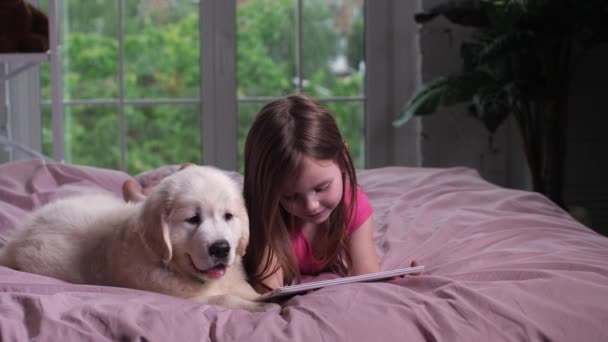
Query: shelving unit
x,y
52,56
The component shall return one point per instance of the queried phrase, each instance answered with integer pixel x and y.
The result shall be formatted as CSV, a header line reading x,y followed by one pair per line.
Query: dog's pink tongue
x,y
217,271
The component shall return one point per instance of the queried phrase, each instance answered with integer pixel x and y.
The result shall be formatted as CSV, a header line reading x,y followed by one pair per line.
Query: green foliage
x,y
161,51
162,61
356,44
446,91
162,135
265,52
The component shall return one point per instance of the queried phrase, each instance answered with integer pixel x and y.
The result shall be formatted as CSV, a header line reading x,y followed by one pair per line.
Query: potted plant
x,y
519,61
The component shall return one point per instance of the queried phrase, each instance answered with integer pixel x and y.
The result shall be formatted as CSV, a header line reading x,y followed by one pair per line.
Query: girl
x,y
307,213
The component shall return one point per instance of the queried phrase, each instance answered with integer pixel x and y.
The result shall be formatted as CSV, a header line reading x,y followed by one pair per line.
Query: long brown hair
x,y
283,133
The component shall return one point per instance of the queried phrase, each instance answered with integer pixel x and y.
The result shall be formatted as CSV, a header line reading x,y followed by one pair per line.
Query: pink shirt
x,y
301,246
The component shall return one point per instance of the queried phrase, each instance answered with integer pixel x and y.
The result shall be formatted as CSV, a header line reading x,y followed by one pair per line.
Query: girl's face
x,y
315,192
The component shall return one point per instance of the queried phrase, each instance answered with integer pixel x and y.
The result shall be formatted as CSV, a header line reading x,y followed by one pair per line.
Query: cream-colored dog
x,y
185,239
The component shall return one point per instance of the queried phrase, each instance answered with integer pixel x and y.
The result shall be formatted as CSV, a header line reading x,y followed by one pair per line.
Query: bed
x,y
501,265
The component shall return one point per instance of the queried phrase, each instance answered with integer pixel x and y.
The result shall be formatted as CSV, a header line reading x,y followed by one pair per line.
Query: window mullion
x,y
122,124
299,72
56,80
218,83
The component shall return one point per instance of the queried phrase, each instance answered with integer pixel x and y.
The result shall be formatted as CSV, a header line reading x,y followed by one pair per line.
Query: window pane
x,y
90,51
161,49
247,112
47,130
265,47
162,134
350,119
91,135
332,61
332,47
156,135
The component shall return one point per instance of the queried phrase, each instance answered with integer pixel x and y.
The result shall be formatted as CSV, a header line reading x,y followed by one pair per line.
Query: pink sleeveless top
x,y
301,246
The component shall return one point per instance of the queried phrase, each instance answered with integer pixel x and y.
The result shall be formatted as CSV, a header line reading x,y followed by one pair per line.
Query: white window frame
x,y
392,73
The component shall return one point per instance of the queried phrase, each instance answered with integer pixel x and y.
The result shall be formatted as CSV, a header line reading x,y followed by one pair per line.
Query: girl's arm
x,y
363,250
275,280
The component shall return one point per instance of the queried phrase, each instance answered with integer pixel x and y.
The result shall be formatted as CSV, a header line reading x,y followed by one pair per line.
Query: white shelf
x,y
38,57
53,57
25,60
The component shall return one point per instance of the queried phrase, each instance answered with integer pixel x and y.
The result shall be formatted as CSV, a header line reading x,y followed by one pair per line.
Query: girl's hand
x,y
132,191
414,263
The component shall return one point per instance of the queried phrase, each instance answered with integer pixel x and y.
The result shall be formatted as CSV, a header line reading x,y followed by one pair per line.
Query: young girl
x,y
307,213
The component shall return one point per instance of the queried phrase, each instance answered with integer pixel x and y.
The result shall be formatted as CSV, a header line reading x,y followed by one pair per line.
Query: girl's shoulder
x,y
360,196
363,209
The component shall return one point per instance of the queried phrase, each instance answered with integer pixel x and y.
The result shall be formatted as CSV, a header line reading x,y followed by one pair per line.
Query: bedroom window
x,y
131,83
152,82
311,46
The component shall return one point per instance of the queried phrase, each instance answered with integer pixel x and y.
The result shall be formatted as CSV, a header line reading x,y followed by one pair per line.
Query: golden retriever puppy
x,y
185,239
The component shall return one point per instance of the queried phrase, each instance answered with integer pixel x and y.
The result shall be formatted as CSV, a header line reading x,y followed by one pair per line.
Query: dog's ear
x,y
241,248
243,242
154,227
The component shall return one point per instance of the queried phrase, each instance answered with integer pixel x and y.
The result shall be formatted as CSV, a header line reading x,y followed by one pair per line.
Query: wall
x,y
393,73
451,138
586,158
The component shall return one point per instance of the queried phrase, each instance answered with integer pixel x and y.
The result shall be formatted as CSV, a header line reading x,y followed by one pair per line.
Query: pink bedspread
x,y
502,265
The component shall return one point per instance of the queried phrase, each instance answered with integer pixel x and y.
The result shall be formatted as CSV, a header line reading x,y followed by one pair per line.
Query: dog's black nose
x,y
219,249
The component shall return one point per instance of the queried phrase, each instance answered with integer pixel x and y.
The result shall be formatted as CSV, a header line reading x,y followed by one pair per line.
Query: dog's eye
x,y
196,219
228,216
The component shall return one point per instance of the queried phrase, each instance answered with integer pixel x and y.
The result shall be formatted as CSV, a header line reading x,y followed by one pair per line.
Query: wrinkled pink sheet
x,y
501,265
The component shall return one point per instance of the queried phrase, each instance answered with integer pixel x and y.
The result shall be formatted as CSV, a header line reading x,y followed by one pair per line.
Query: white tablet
x,y
301,288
